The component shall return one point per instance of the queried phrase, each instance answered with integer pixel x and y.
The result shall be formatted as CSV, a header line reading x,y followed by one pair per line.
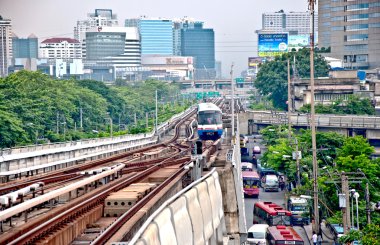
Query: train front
x,y
210,125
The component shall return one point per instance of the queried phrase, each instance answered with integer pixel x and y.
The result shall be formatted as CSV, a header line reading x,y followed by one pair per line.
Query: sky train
x,y
210,125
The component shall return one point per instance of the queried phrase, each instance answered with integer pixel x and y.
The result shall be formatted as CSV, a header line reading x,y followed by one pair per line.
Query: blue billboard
x,y
272,44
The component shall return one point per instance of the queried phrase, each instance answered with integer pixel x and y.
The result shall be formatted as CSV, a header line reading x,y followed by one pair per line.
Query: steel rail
x,y
115,226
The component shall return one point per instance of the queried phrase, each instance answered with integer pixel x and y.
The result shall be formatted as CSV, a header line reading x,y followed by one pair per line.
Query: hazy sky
x,y
234,21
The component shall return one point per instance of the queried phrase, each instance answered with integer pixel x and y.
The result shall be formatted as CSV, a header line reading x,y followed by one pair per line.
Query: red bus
x,y
281,235
271,214
251,181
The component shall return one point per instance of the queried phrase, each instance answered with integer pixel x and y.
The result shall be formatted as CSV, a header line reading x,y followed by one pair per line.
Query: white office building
x,y
60,48
5,45
294,23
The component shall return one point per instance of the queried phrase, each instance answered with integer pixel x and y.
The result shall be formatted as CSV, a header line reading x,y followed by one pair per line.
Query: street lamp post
x,y
356,196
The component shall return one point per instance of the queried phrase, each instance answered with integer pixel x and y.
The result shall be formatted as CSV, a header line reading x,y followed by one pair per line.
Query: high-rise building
x,y
25,47
114,46
178,25
5,45
156,34
199,42
294,23
60,48
352,30
101,17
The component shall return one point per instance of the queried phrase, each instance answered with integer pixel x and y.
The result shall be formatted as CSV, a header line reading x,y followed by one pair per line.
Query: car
x,y
270,183
256,149
257,234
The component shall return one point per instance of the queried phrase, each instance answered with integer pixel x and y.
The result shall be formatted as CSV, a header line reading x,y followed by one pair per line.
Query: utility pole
x,y
111,126
297,163
232,103
346,209
367,207
81,118
146,119
289,105
57,122
312,120
135,119
156,113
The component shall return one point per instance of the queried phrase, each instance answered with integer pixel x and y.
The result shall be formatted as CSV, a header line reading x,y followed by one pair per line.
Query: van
x,y
257,234
270,183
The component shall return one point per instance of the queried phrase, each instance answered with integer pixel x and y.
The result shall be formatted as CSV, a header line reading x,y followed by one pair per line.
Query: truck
x,y
300,209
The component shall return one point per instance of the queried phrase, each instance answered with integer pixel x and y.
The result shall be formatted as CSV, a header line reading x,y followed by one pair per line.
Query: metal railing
x,y
322,120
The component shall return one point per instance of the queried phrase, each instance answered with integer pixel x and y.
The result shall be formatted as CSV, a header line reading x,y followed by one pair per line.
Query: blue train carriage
x,y
210,125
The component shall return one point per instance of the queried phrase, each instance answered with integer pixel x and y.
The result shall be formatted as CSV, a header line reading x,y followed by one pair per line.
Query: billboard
x,y
298,41
272,44
253,62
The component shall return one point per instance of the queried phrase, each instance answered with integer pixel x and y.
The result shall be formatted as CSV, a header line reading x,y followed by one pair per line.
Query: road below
x,y
275,197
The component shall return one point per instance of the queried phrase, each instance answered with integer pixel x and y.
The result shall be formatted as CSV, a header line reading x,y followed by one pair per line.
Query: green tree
x,y
272,77
355,105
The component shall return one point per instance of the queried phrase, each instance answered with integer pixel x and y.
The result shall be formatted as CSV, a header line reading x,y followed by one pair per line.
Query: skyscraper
x,y
25,47
156,34
352,30
5,45
101,17
199,42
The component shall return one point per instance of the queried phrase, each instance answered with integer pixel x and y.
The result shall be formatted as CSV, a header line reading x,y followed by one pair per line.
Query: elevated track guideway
x,y
75,198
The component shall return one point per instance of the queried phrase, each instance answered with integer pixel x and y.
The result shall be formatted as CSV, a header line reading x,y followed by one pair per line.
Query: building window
x,y
357,27
357,17
337,9
354,7
337,18
337,28
358,47
374,25
356,37
377,4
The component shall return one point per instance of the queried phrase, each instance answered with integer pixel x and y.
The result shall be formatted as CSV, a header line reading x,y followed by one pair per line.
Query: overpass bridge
x,y
216,84
348,125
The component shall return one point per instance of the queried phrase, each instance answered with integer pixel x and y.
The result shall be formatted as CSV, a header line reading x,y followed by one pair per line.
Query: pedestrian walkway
x,y
328,238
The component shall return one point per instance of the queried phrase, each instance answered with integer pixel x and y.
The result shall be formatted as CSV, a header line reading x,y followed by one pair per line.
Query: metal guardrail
x,y
322,120
43,147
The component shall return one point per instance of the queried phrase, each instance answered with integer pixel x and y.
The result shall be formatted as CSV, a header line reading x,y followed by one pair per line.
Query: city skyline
x,y
234,22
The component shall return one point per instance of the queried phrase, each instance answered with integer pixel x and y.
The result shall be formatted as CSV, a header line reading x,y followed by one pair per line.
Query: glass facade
x,y
352,35
103,44
200,43
25,47
156,36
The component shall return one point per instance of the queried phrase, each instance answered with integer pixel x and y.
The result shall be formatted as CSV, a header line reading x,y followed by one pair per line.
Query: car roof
x,y
258,227
271,176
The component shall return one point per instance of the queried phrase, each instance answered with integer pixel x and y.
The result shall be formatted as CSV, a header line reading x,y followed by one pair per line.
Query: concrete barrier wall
x,y
194,216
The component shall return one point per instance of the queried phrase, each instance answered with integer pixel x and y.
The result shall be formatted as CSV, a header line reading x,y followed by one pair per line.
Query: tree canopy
x,y
35,107
272,77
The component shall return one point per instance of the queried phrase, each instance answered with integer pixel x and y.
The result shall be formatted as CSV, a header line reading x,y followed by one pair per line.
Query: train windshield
x,y
209,117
